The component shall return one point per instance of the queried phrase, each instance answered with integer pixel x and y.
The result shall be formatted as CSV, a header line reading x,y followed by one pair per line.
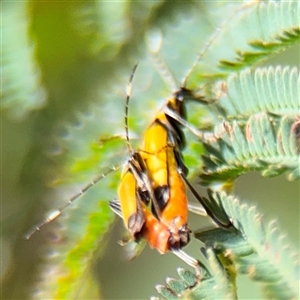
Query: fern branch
x,y
261,252
212,285
252,33
273,90
256,250
262,144
278,28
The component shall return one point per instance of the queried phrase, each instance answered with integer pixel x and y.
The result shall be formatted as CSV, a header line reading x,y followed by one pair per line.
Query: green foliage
x,y
255,249
213,285
65,66
21,88
272,90
82,233
248,35
257,126
262,144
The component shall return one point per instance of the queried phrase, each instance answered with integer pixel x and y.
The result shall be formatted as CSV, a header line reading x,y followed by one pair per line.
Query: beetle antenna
x,y
128,94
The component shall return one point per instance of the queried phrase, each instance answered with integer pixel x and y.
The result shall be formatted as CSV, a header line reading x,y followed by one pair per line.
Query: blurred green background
x,y
65,66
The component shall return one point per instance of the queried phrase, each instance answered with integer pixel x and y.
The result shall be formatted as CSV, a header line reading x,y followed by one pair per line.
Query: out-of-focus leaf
x,y
21,89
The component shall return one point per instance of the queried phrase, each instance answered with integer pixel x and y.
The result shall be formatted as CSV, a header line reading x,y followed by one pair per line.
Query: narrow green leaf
x,y
187,276
166,292
222,288
176,285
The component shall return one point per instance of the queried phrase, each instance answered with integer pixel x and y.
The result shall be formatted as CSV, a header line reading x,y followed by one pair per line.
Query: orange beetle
x,y
152,193
161,151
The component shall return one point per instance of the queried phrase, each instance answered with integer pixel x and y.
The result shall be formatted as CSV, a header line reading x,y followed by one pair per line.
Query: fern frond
x,y
273,90
262,144
254,249
212,285
21,89
251,33
259,251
